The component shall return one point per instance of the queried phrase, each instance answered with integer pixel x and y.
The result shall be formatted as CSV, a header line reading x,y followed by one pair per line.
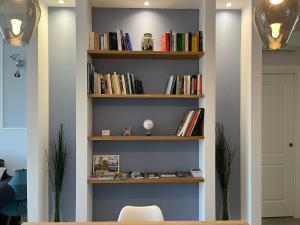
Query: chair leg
x,y
8,220
22,219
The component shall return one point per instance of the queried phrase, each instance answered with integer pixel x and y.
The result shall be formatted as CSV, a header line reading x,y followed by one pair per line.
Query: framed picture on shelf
x,y
106,164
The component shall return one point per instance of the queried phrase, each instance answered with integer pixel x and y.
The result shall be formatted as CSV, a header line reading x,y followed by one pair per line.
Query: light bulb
x,y
16,26
228,4
275,28
61,2
276,2
146,3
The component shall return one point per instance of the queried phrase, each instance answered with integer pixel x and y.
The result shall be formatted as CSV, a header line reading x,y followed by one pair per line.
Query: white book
x,y
188,89
184,85
174,42
92,41
101,42
124,85
129,82
186,40
117,83
105,45
169,86
186,123
196,173
109,84
119,40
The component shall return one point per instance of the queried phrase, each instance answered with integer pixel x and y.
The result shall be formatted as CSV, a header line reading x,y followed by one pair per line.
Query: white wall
x,y
12,151
228,36
12,110
62,82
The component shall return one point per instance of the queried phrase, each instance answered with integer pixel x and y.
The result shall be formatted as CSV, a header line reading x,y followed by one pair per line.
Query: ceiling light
x,y
61,2
275,21
276,2
228,4
146,3
18,19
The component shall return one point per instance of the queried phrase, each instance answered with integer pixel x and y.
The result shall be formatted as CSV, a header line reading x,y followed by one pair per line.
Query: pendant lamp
x,y
275,21
18,19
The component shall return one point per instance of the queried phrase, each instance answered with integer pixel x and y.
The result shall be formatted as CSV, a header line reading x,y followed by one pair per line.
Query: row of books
x,y
189,42
195,173
192,123
113,84
110,41
185,85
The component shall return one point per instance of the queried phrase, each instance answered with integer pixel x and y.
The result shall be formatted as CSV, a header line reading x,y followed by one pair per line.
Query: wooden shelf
x,y
144,54
145,96
144,138
147,180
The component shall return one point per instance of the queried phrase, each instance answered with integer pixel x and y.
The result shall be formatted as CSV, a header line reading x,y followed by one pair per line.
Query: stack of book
x,y
110,41
185,85
176,42
192,124
112,84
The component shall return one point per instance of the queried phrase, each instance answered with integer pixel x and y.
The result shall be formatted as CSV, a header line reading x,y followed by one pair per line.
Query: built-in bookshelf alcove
x,y
166,114
179,199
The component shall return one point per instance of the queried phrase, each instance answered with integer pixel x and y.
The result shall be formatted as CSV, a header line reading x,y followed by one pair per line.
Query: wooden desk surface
x,y
148,223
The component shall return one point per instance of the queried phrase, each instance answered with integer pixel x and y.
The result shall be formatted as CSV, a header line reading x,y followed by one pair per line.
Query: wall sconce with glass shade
x,y
18,19
275,21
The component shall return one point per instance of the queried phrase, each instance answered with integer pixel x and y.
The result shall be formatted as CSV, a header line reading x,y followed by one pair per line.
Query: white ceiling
x,y
180,4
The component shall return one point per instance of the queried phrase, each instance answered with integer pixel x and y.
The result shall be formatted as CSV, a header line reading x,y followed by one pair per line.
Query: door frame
x,y
296,71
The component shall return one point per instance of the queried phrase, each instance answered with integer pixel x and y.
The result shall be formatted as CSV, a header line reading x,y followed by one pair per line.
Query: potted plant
x,y
224,158
56,166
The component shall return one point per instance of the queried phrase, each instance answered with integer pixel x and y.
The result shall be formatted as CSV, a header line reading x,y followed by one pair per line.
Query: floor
x,y
280,221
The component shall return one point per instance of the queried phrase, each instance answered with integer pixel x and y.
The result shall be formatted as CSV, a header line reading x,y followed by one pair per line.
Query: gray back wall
x,y
177,201
228,95
62,64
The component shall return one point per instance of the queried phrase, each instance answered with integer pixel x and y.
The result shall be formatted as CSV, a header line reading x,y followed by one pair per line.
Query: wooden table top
x,y
147,223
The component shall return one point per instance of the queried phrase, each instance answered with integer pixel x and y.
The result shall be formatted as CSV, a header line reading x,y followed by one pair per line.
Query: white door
x,y
277,144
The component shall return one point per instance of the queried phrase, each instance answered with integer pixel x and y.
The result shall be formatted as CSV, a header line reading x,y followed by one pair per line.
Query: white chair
x,y
146,213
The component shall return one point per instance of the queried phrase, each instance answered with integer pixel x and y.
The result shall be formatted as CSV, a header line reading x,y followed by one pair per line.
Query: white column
x,y
251,98
207,23
83,114
38,121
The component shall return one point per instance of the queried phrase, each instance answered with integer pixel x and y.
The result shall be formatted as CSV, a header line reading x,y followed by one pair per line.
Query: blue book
x,y
128,41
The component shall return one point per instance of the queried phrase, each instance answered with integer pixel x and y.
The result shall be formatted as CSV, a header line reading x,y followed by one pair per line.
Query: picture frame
x,y
104,164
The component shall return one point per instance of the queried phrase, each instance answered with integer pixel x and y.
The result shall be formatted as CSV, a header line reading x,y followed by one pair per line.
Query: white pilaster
x,y
38,121
251,98
83,114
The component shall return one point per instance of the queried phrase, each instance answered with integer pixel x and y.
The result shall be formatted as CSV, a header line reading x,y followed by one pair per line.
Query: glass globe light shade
x,y
18,19
275,21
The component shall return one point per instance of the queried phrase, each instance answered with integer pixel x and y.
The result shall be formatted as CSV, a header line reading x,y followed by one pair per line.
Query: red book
x,y
201,85
168,41
195,86
164,43
191,125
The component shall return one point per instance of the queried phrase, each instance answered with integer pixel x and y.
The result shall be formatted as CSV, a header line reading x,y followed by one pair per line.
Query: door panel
x,y
277,156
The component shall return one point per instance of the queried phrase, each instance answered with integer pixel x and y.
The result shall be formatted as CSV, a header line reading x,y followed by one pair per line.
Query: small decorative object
x,y
105,132
18,62
224,158
127,131
106,164
136,175
56,165
18,20
148,125
147,42
275,21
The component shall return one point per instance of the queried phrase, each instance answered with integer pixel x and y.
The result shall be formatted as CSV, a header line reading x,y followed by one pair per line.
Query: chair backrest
x,y
146,213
